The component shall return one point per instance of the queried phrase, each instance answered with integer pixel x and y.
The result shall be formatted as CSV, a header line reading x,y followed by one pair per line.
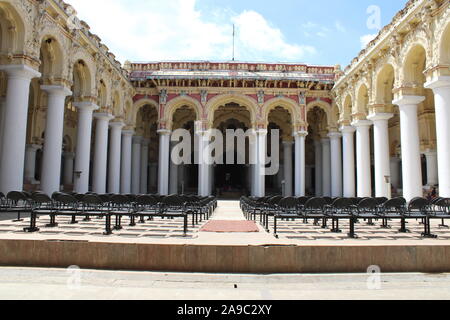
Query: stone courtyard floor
x,y
62,284
163,231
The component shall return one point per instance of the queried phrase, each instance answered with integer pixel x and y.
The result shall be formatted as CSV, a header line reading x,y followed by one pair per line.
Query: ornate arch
x,y
60,43
360,106
380,76
412,42
443,44
326,107
245,101
117,107
81,55
173,105
132,116
14,27
285,103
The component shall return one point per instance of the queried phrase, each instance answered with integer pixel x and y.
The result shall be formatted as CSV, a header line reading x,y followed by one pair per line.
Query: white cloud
x,y
257,38
340,27
146,30
366,39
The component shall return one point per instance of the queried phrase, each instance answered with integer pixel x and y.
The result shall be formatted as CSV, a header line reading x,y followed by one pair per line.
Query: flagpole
x,y
233,40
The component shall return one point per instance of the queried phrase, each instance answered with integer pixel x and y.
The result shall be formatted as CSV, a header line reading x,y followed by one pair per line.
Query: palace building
x,y
73,118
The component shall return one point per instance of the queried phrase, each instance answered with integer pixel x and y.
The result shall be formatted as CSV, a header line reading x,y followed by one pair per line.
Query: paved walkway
x,y
228,210
57,284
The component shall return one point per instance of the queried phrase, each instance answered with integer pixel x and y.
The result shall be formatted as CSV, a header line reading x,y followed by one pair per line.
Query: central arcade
x,y
198,96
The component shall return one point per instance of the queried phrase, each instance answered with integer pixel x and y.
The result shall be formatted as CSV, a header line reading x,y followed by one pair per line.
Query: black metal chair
x,y
440,209
288,210
342,208
93,205
391,210
18,202
433,203
419,208
67,205
41,204
120,206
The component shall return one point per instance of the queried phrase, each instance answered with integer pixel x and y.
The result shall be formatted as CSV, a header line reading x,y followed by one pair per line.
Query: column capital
x,y
164,132
361,123
86,106
117,124
261,132
408,100
303,134
69,155
438,82
334,135
20,71
288,143
128,132
430,153
103,116
347,130
57,90
380,116
34,147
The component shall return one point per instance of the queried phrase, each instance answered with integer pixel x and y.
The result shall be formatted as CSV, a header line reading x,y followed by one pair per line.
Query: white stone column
x,y
2,119
101,152
144,166
382,154
326,167
30,163
115,151
349,180
203,167
260,172
287,147
363,161
68,168
136,165
300,163
12,157
432,168
318,167
336,164
83,150
253,150
173,185
125,162
412,164
441,89
164,158
395,172
54,128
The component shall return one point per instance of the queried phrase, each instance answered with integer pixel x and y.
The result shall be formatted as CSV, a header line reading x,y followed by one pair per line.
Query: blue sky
x,y
324,32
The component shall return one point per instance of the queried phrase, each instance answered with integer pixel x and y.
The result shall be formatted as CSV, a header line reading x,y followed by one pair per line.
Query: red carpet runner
x,y
230,226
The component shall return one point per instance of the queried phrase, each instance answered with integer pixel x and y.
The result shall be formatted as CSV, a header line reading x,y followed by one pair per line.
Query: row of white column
x,y
123,159
438,163
295,174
